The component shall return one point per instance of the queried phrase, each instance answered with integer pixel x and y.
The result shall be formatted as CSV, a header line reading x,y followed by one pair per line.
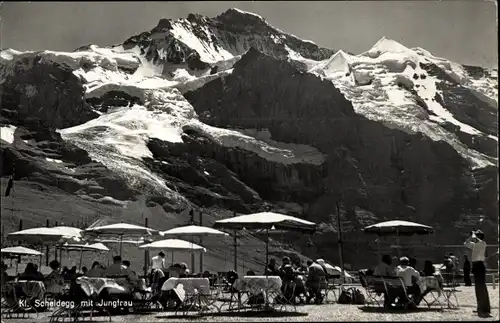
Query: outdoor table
x,y
188,284
429,285
183,287
95,285
257,284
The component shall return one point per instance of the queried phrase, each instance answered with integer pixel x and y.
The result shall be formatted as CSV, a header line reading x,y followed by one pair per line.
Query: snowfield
x,y
377,83
7,133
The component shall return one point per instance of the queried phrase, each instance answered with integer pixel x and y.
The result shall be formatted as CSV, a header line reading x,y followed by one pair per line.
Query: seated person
x,y
384,268
316,281
95,270
134,281
54,282
286,272
174,270
250,273
157,279
447,269
410,277
395,262
299,267
5,277
271,268
413,262
428,269
31,273
184,271
116,270
84,271
71,274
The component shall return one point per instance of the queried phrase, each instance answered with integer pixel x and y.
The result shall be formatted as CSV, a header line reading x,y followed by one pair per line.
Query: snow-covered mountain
x,y
235,113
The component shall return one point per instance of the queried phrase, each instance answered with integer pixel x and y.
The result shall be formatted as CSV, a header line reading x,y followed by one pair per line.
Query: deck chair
x,y
374,289
84,300
231,299
331,290
13,303
197,300
449,290
396,286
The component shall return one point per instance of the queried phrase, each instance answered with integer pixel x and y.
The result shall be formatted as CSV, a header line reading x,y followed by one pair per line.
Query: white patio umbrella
x,y
95,247
19,251
267,221
173,245
45,236
194,231
119,230
12,252
136,242
397,228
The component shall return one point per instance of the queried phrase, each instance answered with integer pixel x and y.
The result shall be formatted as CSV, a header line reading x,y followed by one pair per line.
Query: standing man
x,y
158,262
467,279
478,246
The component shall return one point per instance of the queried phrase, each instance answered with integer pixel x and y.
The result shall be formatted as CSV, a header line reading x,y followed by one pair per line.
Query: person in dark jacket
x,y
429,269
467,268
31,273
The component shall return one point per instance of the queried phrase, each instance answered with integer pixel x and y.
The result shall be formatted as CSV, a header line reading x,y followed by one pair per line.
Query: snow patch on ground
x,y
7,133
57,161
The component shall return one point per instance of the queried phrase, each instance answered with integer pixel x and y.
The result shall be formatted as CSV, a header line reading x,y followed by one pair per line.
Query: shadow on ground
x,y
236,314
370,309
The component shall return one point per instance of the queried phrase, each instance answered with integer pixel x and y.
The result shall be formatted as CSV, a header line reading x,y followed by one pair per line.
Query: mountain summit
x,y
230,114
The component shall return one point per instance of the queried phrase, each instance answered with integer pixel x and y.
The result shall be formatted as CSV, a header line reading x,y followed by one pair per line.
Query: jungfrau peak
x,y
230,114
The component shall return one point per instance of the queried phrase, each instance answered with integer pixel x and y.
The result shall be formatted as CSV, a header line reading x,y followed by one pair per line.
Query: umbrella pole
x,y
267,260
81,258
192,258
397,241
378,247
121,244
235,252
267,250
41,256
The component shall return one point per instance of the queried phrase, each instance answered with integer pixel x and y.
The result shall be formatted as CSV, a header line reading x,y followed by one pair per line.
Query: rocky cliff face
x,y
44,90
229,114
387,172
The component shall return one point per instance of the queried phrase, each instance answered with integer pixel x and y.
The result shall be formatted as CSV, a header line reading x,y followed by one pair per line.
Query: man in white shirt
x,y
410,277
476,243
409,274
158,262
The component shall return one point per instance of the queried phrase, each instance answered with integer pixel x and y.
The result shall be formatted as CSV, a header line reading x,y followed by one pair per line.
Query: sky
x,y
464,31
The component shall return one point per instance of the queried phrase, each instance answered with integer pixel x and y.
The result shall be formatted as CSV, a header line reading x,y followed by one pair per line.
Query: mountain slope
x,y
231,114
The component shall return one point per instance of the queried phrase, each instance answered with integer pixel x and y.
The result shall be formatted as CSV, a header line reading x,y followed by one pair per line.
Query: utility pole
x,y
47,251
341,255
191,213
201,243
236,248
146,253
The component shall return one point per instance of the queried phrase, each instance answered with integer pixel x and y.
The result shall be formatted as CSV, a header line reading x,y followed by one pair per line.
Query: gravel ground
x,y
318,313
